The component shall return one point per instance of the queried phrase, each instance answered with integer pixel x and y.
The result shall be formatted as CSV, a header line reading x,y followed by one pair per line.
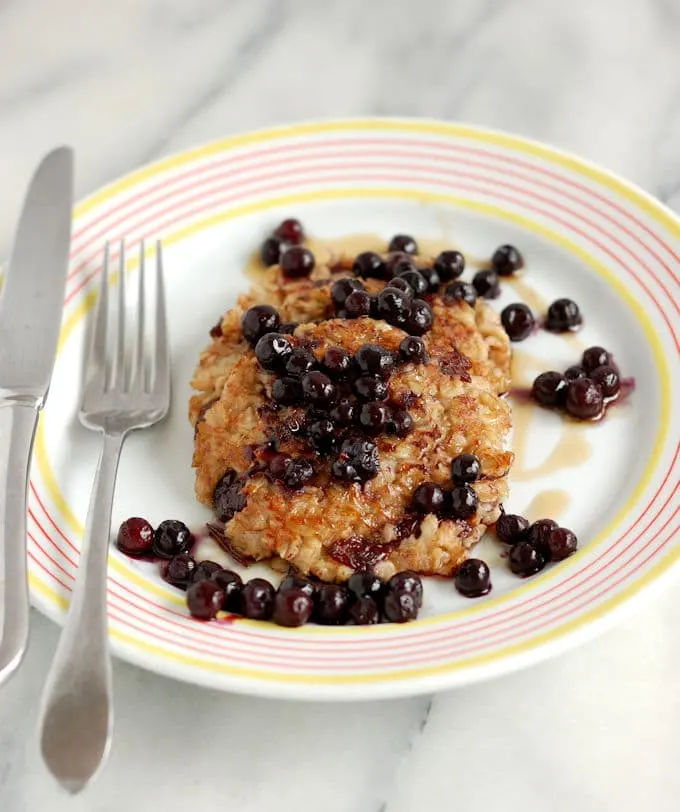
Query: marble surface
x,y
124,83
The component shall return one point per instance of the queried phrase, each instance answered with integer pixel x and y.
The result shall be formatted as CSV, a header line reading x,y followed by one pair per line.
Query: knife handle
x,y
18,422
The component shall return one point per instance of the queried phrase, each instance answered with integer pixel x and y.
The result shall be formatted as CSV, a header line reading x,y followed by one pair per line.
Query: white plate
x,y
584,233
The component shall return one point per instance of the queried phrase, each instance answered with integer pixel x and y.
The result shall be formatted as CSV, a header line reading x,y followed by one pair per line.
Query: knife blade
x,y
31,305
33,293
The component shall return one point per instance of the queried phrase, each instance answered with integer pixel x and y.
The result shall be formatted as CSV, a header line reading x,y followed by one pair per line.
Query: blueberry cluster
x,y
210,588
363,600
534,545
136,538
505,261
457,502
398,303
344,396
584,389
284,247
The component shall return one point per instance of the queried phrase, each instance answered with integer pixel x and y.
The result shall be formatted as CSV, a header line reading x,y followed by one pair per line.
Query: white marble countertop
x,y
124,83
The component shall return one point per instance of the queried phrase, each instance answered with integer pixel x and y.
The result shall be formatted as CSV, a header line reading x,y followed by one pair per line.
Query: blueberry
x,y
449,265
463,502
288,327
374,359
299,362
358,460
257,599
370,387
511,528
429,498
403,243
290,231
297,262
561,544
287,391
204,600
525,559
473,578
607,378
463,291
341,289
538,534
412,350
135,537
206,571
518,321
550,389
375,416
357,305
584,399
401,423
180,570
172,537
345,413
432,279
292,608
574,372
506,260
322,434
299,582
563,315
332,606
415,280
338,363
486,284
407,581
231,585
421,318
394,306
398,263
370,265
257,321
346,471
465,468
400,607
227,497
366,585
401,284
272,351
298,473
270,252
595,357
318,389
364,612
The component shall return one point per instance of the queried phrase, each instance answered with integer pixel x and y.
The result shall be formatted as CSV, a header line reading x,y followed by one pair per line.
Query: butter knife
x,y
31,304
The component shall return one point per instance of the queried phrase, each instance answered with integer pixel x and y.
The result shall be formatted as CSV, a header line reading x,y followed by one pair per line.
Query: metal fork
x,y
120,395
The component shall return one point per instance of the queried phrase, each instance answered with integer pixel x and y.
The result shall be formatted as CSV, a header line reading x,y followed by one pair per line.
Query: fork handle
x,y
76,716
17,430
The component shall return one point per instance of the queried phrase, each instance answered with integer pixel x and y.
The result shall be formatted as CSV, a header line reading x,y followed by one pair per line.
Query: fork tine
x,y
161,382
96,361
137,383
120,334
